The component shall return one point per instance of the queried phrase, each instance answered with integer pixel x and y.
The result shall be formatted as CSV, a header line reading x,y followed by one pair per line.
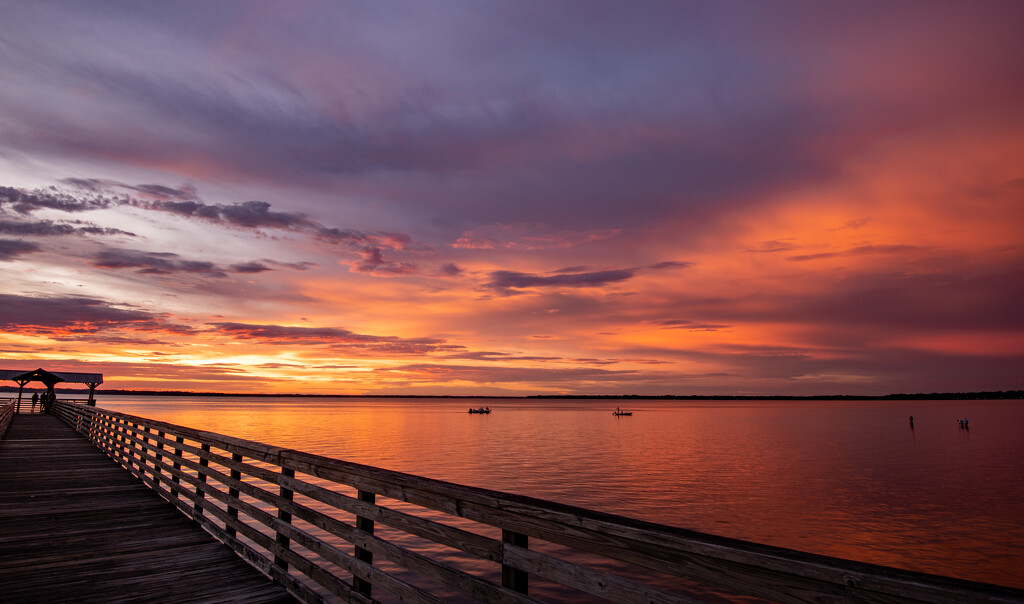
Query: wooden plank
x,y
76,527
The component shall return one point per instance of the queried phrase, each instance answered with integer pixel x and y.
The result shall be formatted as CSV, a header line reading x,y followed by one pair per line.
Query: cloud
x,y
154,263
485,355
249,214
690,325
331,336
61,315
373,263
528,237
773,246
336,235
451,270
295,266
46,228
670,264
505,281
26,202
428,372
13,248
186,193
184,202
167,263
250,267
861,250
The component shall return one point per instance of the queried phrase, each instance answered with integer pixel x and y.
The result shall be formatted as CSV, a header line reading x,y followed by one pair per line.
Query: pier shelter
x,y
51,379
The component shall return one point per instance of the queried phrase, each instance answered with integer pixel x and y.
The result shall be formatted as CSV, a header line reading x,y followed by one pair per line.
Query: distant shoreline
x,y
990,395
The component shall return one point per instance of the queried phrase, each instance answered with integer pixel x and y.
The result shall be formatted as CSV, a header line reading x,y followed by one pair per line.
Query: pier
x,y
100,500
75,527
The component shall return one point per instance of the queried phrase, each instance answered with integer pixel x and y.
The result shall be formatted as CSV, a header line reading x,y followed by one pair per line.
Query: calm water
x,y
847,479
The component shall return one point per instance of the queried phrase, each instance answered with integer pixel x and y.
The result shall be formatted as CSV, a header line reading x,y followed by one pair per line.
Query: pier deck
x,y
75,526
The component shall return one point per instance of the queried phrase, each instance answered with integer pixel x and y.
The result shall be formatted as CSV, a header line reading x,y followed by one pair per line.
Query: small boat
x,y
619,412
481,410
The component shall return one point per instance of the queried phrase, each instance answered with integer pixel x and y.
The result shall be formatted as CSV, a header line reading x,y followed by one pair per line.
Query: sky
x,y
515,197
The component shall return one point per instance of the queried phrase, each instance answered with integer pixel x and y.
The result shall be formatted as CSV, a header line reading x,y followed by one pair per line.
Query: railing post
x,y
158,472
131,429
236,474
175,478
142,452
204,461
514,578
282,515
122,440
366,525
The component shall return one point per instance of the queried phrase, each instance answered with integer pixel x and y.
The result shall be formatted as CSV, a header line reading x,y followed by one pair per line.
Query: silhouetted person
x,y
35,400
911,421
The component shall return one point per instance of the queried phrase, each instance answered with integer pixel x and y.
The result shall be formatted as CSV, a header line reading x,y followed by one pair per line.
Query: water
x,y
850,479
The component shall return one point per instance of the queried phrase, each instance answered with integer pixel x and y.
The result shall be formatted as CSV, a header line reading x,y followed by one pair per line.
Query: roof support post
x,y
21,388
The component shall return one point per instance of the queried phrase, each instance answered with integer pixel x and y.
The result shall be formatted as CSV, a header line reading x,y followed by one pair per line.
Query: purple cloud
x,y
862,250
45,228
154,263
512,280
24,202
249,214
332,337
75,314
250,267
373,263
691,325
13,248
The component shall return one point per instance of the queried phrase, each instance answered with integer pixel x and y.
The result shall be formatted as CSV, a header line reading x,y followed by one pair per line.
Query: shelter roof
x,y
50,377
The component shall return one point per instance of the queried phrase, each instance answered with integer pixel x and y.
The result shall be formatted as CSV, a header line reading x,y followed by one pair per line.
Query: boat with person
x,y
620,412
480,410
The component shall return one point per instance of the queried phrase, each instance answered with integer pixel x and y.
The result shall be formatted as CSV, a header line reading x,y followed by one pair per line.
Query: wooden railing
x,y
330,529
6,414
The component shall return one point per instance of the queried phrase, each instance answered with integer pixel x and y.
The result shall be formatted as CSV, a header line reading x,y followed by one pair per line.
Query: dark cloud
x,y
154,263
187,193
451,270
905,303
250,267
489,374
26,202
12,248
336,235
702,109
670,264
373,263
333,337
505,281
862,250
691,325
249,214
94,185
485,355
73,314
771,247
295,266
184,202
45,228
857,310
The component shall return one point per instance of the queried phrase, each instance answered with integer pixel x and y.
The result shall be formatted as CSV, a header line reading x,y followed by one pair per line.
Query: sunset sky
x,y
515,197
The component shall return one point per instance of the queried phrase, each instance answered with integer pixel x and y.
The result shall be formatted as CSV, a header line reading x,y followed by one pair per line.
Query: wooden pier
x,y
75,527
